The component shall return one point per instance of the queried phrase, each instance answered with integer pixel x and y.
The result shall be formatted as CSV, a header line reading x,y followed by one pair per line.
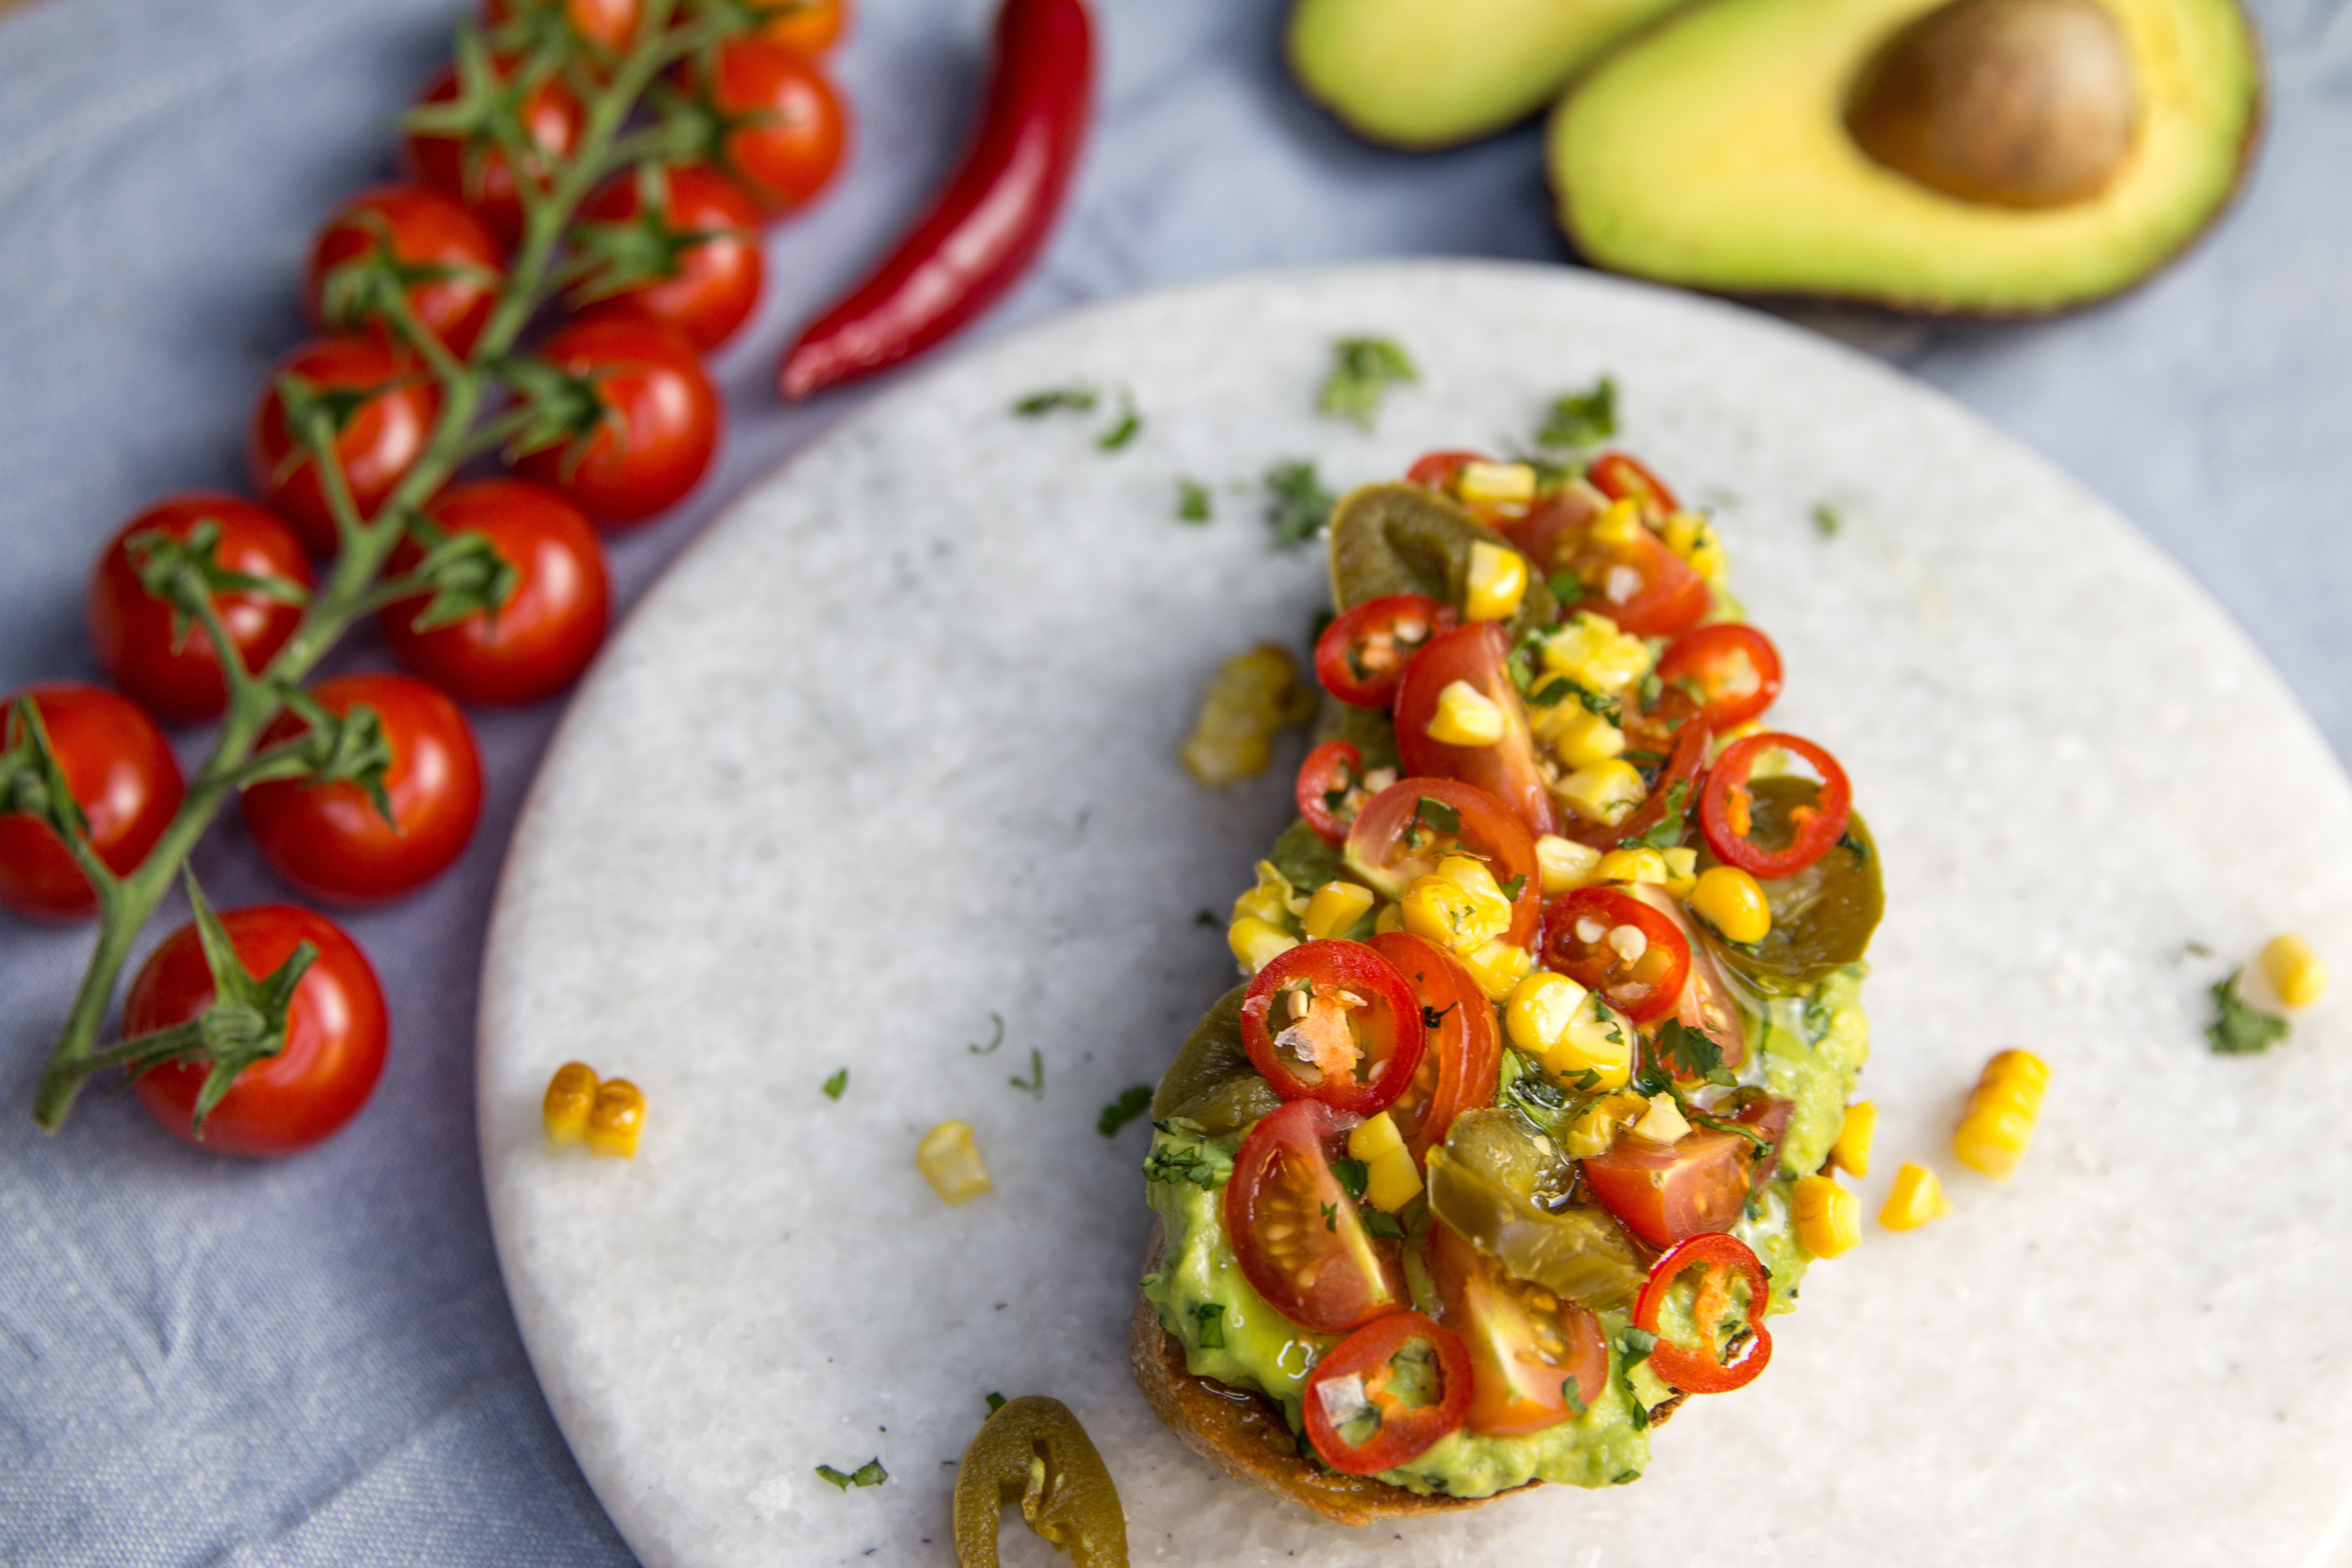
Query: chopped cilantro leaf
x,y
836,1083
1331,1216
995,1402
1566,586
1129,424
1203,1164
1582,418
1668,831
2197,950
870,1474
1352,1175
1381,1224
1205,917
1558,688
994,1040
1034,1084
1512,888
1131,1104
1827,521
1853,846
1437,815
1191,502
1076,399
1571,1396
2238,1029
1637,1345
1297,506
1211,1315
1362,370
1596,703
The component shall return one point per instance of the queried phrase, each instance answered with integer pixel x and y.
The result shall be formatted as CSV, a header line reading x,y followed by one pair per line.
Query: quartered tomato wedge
x,y
1621,478
1674,792
1361,655
1386,1393
1726,674
1403,831
1527,1347
1331,788
1506,770
1333,1021
1298,1235
1696,1186
1723,1261
1606,940
1726,810
1464,1048
1639,584
1706,1003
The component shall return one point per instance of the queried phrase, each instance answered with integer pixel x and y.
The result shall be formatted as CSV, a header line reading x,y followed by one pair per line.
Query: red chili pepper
x,y
988,224
1697,1371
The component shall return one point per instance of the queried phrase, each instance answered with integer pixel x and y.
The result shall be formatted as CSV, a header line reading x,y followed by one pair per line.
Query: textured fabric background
x,y
313,1361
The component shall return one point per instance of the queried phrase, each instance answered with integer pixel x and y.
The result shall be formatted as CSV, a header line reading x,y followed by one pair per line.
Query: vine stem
x,y
127,902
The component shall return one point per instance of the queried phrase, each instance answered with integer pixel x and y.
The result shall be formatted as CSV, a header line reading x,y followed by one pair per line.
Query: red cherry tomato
x,y
328,839
787,123
1726,674
378,440
1549,535
1506,769
1721,1259
1621,478
1707,1003
709,285
662,424
1582,939
1464,1051
1526,1347
1362,655
1333,1021
422,227
1725,808
610,24
1298,1236
1331,789
1438,470
1667,1193
542,638
336,1031
1407,828
807,27
174,671
1406,1382
1645,587
123,775
472,168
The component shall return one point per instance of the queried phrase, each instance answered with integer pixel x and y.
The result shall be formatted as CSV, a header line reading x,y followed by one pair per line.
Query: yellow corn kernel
x,y
564,1111
1371,1139
1495,484
1565,864
1642,864
1496,582
1392,1180
950,1162
1732,902
1682,532
1391,918
1335,908
1917,1198
1596,1127
1682,871
616,1119
1578,736
2293,970
1255,943
1473,875
1663,1123
1459,907
1499,967
1244,706
1466,716
1621,524
1605,792
1828,1216
1540,1009
1999,1122
1594,1051
1262,904
1851,1152
1590,651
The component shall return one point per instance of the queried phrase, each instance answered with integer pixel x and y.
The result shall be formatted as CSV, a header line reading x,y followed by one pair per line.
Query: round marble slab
x,y
888,756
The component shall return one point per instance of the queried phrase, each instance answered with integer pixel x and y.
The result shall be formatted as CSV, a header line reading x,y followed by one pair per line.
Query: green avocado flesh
x,y
1811,1044
1429,73
1713,152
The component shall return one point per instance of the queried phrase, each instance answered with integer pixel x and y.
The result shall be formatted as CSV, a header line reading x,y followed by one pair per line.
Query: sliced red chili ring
x,y
1697,1371
1621,478
1682,771
1727,673
1725,807
1334,1021
1373,1403
1331,772
1362,655
1639,973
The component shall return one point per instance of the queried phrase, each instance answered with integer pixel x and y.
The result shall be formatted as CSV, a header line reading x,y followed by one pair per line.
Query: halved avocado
x,y
1720,152
1429,73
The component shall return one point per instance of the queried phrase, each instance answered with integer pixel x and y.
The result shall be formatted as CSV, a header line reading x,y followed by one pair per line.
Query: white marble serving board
x,y
891,750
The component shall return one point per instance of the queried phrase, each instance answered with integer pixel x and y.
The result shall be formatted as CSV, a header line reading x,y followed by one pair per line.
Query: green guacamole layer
x,y
1809,1047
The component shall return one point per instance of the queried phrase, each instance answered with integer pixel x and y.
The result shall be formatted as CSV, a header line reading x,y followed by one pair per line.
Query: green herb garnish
x,y
1582,418
995,1402
1362,370
1573,1397
1437,815
1668,831
1353,1175
1378,1222
1034,1084
1211,1315
1331,1216
1203,1164
994,1040
870,1474
1076,399
1130,423
1191,502
1827,521
1297,506
2237,1029
836,1083
1131,1104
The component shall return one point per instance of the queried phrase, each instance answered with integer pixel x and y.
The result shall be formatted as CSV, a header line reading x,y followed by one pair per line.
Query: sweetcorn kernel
x,y
1663,1123
1466,716
1255,943
1499,967
564,1111
617,1119
1605,792
2293,970
1578,736
1682,871
1495,582
1732,901
1540,1009
1621,524
1391,918
1495,484
1590,651
1851,1152
1596,1127
1641,864
1917,1198
1335,908
1565,864
1392,1180
1828,1218
1595,1050
950,1162
2001,1111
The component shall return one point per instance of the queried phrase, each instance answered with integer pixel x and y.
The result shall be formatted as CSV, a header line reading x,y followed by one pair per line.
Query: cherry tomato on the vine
x,y
123,775
330,840
542,637
1333,1021
470,166
174,669
1298,1235
422,228
610,24
1396,1403
1727,674
336,1032
785,125
700,235
1362,655
660,425
378,437
808,27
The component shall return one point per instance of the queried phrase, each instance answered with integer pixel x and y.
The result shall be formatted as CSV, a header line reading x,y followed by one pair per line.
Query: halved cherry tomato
x,y
1699,1371
328,840
1639,584
422,227
336,1032
472,167
1404,1379
1619,477
1674,790
1465,1050
786,125
1666,1193
1606,940
123,774
1331,788
1298,1236
1706,1003
661,418
1548,536
1403,831
703,247
1436,470
174,669
1333,1021
1363,655
377,439
1726,674
1506,769
1725,808
1526,1346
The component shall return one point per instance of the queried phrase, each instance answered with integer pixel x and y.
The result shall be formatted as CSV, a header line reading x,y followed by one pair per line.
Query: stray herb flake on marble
x,y
1580,419
1362,370
836,1083
2238,1029
1297,507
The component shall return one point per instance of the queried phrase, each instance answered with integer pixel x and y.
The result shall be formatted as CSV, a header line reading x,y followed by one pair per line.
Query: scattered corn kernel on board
x,y
883,778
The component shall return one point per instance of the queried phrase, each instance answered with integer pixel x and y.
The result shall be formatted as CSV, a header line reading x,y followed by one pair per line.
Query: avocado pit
x,y
2013,103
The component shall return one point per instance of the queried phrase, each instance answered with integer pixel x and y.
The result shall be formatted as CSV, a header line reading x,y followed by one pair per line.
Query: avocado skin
x,y
2233,75
1424,74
